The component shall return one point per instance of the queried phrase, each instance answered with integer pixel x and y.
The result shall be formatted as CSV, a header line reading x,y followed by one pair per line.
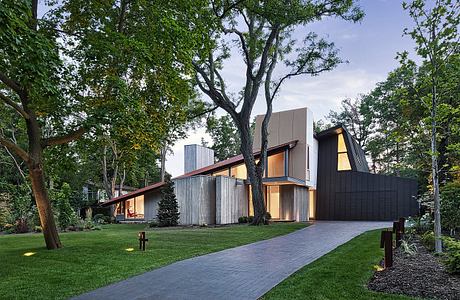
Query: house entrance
x,y
273,201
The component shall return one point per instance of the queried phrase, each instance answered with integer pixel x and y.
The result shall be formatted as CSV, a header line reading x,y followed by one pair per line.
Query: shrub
x,y
99,218
428,240
9,228
452,255
408,248
242,219
250,219
64,209
419,225
168,209
450,207
38,229
5,217
153,224
268,217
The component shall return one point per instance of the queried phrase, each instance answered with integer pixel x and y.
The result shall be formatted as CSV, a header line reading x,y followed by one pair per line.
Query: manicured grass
x,y
341,274
90,260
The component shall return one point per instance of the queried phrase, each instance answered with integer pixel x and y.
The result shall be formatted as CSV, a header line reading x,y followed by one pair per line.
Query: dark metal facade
x,y
358,194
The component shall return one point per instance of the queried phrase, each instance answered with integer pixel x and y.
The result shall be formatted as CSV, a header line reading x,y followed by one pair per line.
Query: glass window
x,y
239,172
273,193
276,165
343,162
135,208
223,172
341,147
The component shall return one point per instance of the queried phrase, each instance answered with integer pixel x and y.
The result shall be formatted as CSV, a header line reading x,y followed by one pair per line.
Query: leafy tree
x,y
168,209
320,125
436,36
91,67
450,206
224,135
356,117
263,32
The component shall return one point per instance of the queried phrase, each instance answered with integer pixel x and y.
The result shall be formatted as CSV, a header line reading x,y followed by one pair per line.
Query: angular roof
x,y
356,153
202,171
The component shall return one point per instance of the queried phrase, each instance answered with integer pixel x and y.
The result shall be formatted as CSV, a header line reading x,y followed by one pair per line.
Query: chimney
x,y
197,157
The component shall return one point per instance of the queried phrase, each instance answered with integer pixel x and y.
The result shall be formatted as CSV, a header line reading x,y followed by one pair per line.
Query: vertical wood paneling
x,y
352,195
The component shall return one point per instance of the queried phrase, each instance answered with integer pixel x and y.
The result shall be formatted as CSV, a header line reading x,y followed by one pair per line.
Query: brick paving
x,y
245,272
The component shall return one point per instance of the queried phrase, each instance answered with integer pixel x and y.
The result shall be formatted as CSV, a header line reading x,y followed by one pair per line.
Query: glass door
x,y
273,205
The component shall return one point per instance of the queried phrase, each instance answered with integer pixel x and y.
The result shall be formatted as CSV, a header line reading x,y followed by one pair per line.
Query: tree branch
x,y
14,148
11,83
14,105
63,139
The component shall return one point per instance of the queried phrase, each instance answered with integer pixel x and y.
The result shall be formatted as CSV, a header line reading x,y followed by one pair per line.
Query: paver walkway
x,y
245,272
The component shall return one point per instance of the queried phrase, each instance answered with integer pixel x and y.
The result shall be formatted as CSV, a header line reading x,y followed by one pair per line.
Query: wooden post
x,y
386,242
397,232
142,240
402,222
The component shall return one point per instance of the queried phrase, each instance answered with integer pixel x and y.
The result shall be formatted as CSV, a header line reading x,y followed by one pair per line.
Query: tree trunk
x,y
435,173
44,209
37,177
255,174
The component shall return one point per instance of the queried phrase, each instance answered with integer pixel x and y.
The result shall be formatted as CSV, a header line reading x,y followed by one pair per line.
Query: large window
x,y
239,172
343,163
135,208
275,166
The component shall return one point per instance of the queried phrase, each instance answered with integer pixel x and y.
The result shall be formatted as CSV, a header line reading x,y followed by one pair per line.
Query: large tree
x,y
436,36
88,63
263,35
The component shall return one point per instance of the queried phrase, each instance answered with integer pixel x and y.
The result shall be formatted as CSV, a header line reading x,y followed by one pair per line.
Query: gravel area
x,y
419,275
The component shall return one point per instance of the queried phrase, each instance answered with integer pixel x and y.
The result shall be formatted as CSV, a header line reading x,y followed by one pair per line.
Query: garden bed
x,y
419,275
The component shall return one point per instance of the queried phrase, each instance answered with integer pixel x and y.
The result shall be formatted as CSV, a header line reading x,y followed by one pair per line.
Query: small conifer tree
x,y
168,209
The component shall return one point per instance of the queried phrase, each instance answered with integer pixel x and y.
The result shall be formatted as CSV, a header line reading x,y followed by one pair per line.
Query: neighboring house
x,y
307,176
94,193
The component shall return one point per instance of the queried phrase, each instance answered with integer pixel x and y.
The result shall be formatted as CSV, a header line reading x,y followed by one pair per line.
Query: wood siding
x,y
354,195
196,198
231,200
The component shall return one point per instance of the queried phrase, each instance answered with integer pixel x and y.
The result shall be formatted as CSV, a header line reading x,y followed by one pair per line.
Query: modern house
x,y
308,176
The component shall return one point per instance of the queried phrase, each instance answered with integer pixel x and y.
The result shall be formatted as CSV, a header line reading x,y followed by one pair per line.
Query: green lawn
x,y
90,260
341,274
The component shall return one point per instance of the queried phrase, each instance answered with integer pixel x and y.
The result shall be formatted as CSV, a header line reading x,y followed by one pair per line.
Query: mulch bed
x,y
420,275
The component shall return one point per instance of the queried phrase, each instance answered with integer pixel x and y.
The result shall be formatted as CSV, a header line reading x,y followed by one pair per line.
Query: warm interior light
x,y
29,253
129,249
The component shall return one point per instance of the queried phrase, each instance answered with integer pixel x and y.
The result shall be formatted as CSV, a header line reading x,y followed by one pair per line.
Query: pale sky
x,y
369,46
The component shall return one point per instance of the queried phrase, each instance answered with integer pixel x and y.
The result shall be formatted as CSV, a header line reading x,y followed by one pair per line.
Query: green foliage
x,y
243,219
408,247
419,225
103,219
452,255
153,224
450,206
225,137
5,217
66,215
168,209
428,240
